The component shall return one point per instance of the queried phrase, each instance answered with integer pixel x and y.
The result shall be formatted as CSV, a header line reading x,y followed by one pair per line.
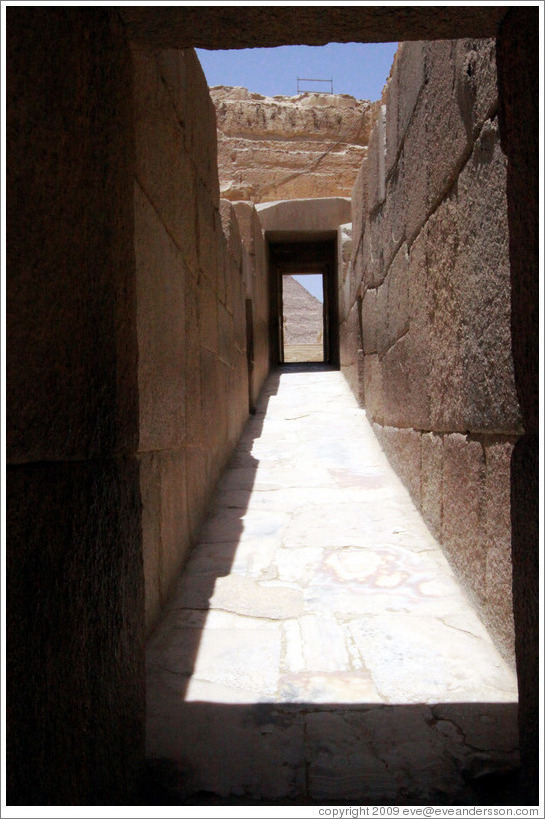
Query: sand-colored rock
x,y
309,145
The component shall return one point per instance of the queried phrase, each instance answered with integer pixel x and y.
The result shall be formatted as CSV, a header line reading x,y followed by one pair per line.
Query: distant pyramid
x,y
303,314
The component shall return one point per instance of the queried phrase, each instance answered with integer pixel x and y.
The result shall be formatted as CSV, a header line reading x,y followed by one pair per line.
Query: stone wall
x,y
75,626
193,370
254,260
309,145
429,307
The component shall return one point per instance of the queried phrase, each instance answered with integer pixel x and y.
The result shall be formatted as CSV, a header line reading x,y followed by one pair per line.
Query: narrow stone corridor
x,y
318,648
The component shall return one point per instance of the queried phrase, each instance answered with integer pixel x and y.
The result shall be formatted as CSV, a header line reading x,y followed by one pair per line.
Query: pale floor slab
x,y
318,647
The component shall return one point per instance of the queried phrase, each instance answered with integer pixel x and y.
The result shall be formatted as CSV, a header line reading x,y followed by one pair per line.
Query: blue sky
x,y
359,69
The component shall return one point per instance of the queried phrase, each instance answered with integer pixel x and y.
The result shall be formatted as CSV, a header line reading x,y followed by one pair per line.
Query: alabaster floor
x,y
318,648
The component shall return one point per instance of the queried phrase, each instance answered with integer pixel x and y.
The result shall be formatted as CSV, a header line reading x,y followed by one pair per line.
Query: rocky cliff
x,y
306,146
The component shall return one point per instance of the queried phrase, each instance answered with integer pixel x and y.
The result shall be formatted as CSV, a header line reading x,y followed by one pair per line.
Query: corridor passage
x,y
318,649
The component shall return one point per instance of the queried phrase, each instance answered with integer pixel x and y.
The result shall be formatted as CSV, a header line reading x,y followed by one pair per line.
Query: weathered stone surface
x,y
71,269
359,197
447,384
482,280
207,239
231,231
161,330
310,214
249,27
164,526
497,530
75,527
411,74
402,446
398,312
200,126
391,101
445,123
274,148
431,485
371,319
373,388
163,168
409,183
463,499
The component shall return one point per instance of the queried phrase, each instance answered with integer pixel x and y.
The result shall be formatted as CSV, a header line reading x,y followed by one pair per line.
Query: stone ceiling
x,y
250,26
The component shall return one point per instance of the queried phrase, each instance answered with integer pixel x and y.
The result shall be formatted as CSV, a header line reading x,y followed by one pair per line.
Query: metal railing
x,y
308,79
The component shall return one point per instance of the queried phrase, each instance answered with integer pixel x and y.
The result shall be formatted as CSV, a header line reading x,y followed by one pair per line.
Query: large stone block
x,y
174,520
207,239
409,183
161,275
463,505
351,336
390,98
497,534
325,213
358,273
163,167
402,446
359,200
398,299
208,315
198,487
200,130
481,277
371,257
432,482
373,388
411,73
75,632
476,82
231,231
238,400
226,347
71,344
373,150
398,384
150,492
370,320
446,330
248,223
239,314
445,123
213,404
192,363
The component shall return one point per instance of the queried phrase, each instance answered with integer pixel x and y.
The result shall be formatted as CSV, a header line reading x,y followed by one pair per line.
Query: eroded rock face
x,y
307,146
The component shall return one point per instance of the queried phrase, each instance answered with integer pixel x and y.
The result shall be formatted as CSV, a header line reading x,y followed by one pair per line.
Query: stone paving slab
x,y
318,647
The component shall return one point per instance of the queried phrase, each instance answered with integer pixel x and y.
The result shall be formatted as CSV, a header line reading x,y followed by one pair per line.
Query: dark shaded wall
x,y
518,80
75,709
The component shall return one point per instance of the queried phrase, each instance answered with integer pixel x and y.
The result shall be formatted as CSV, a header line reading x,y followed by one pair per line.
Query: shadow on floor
x,y
309,754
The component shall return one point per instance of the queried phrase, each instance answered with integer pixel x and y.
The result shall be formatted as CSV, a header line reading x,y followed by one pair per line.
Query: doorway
x,y
303,288
303,318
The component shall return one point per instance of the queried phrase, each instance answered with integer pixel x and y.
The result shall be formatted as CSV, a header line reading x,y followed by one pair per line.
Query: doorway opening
x,y
303,318
303,288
